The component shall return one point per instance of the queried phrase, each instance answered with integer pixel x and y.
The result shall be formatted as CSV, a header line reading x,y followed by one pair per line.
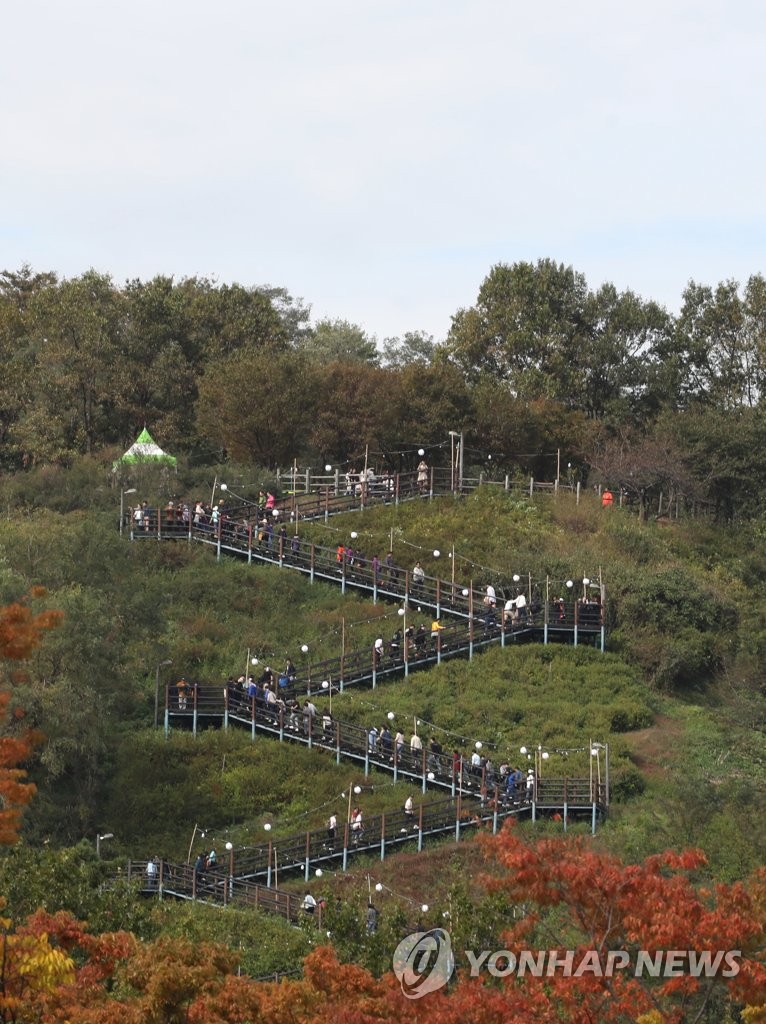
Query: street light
x,y
456,464
162,664
100,838
595,752
540,755
402,612
230,849
130,490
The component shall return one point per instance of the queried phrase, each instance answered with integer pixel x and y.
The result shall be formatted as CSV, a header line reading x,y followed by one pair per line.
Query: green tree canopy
x,y
334,341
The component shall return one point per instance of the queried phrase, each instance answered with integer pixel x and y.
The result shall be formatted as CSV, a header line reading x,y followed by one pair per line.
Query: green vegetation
x,y
540,374
678,695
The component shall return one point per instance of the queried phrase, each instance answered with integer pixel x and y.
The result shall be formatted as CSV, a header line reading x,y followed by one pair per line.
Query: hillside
x,y
678,695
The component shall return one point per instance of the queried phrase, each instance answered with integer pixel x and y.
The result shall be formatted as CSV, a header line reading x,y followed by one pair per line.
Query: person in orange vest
x,y
607,499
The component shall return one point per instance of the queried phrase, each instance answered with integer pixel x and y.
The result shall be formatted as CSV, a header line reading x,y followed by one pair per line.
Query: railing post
x,y
438,598
194,711
268,869
396,489
423,769
252,718
494,815
313,561
345,847
226,709
420,828
531,486
382,837
218,540
337,741
308,856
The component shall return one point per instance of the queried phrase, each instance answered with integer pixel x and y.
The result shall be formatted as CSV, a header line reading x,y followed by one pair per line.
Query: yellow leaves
x,y
31,965
754,1014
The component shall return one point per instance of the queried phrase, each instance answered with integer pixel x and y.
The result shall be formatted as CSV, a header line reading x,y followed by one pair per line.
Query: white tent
x,y
145,450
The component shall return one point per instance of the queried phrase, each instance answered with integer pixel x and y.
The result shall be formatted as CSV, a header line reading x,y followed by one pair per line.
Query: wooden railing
x,y
426,764
218,885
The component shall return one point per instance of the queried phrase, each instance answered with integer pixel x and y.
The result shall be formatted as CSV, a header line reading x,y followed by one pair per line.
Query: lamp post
x,y
539,755
230,849
162,664
100,838
452,435
130,490
456,463
402,612
327,469
595,752
305,650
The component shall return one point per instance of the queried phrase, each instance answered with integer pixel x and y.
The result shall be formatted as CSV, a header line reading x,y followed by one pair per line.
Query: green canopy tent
x,y
145,451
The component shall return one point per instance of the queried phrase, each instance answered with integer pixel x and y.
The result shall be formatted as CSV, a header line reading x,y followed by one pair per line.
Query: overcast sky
x,y
376,159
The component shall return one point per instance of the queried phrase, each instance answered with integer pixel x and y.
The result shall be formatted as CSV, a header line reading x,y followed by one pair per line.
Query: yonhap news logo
x,y
423,962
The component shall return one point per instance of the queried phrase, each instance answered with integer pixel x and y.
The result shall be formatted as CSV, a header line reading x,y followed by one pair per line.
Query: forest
x,y
540,368
543,377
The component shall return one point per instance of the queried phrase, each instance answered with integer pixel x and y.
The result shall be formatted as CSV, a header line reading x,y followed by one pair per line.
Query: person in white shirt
x,y
521,607
510,611
309,903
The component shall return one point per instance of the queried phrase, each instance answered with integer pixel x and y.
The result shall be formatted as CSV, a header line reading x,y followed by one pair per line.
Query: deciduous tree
x,y
20,631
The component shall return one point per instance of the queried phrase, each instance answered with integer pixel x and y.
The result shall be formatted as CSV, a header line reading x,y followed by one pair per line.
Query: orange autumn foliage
x,y
21,630
605,905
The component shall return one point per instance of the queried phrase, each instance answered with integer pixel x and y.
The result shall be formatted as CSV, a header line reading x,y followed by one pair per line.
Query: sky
x,y
377,159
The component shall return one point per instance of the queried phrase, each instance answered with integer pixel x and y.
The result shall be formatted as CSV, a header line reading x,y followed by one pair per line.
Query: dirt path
x,y
654,750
